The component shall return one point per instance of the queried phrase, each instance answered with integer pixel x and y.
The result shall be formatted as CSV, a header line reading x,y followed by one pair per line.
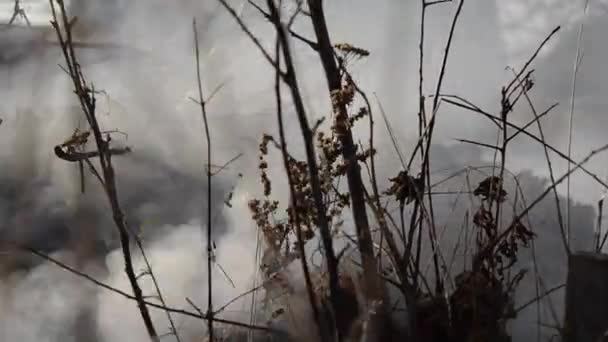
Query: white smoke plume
x,y
147,72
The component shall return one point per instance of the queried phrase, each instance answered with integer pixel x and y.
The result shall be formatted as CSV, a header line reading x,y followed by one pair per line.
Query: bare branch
x,y
126,295
210,257
250,34
86,97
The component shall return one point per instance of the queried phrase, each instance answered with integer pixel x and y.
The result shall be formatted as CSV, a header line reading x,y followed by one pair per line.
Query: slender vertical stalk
x,y
86,97
209,184
161,298
291,80
349,150
575,67
294,203
426,163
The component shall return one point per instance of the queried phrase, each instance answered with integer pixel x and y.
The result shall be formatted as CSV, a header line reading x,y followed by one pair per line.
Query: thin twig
x,y
532,58
435,2
374,289
536,299
126,295
283,49
472,142
250,34
575,67
230,302
390,132
426,162
533,137
560,218
525,212
294,34
150,272
209,184
86,96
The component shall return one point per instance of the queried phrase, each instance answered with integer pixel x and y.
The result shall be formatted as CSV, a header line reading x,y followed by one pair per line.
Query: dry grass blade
x,y
467,141
527,303
532,58
563,231
576,64
533,137
558,181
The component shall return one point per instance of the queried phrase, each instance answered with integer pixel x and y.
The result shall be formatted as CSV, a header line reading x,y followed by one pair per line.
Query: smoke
x,y
161,185
145,66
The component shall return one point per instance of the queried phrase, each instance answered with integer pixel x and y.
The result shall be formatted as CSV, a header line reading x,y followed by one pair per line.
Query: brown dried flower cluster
x,y
278,225
348,50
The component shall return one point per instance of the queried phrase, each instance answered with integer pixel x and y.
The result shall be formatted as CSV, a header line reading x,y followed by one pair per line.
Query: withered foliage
x,y
405,188
483,299
491,189
481,302
278,224
474,309
346,50
497,249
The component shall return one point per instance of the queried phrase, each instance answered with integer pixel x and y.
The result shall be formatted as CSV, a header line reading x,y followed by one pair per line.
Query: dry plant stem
x,y
386,234
576,65
436,2
557,324
87,101
532,58
390,132
209,223
421,112
401,264
233,300
19,11
560,218
375,202
126,295
426,167
527,303
161,298
294,34
533,137
421,115
372,281
537,291
290,79
276,66
248,32
525,212
503,156
533,121
600,213
537,278
506,93
323,331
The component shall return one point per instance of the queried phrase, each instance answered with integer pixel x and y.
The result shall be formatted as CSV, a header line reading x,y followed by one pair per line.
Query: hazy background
x,y
148,82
